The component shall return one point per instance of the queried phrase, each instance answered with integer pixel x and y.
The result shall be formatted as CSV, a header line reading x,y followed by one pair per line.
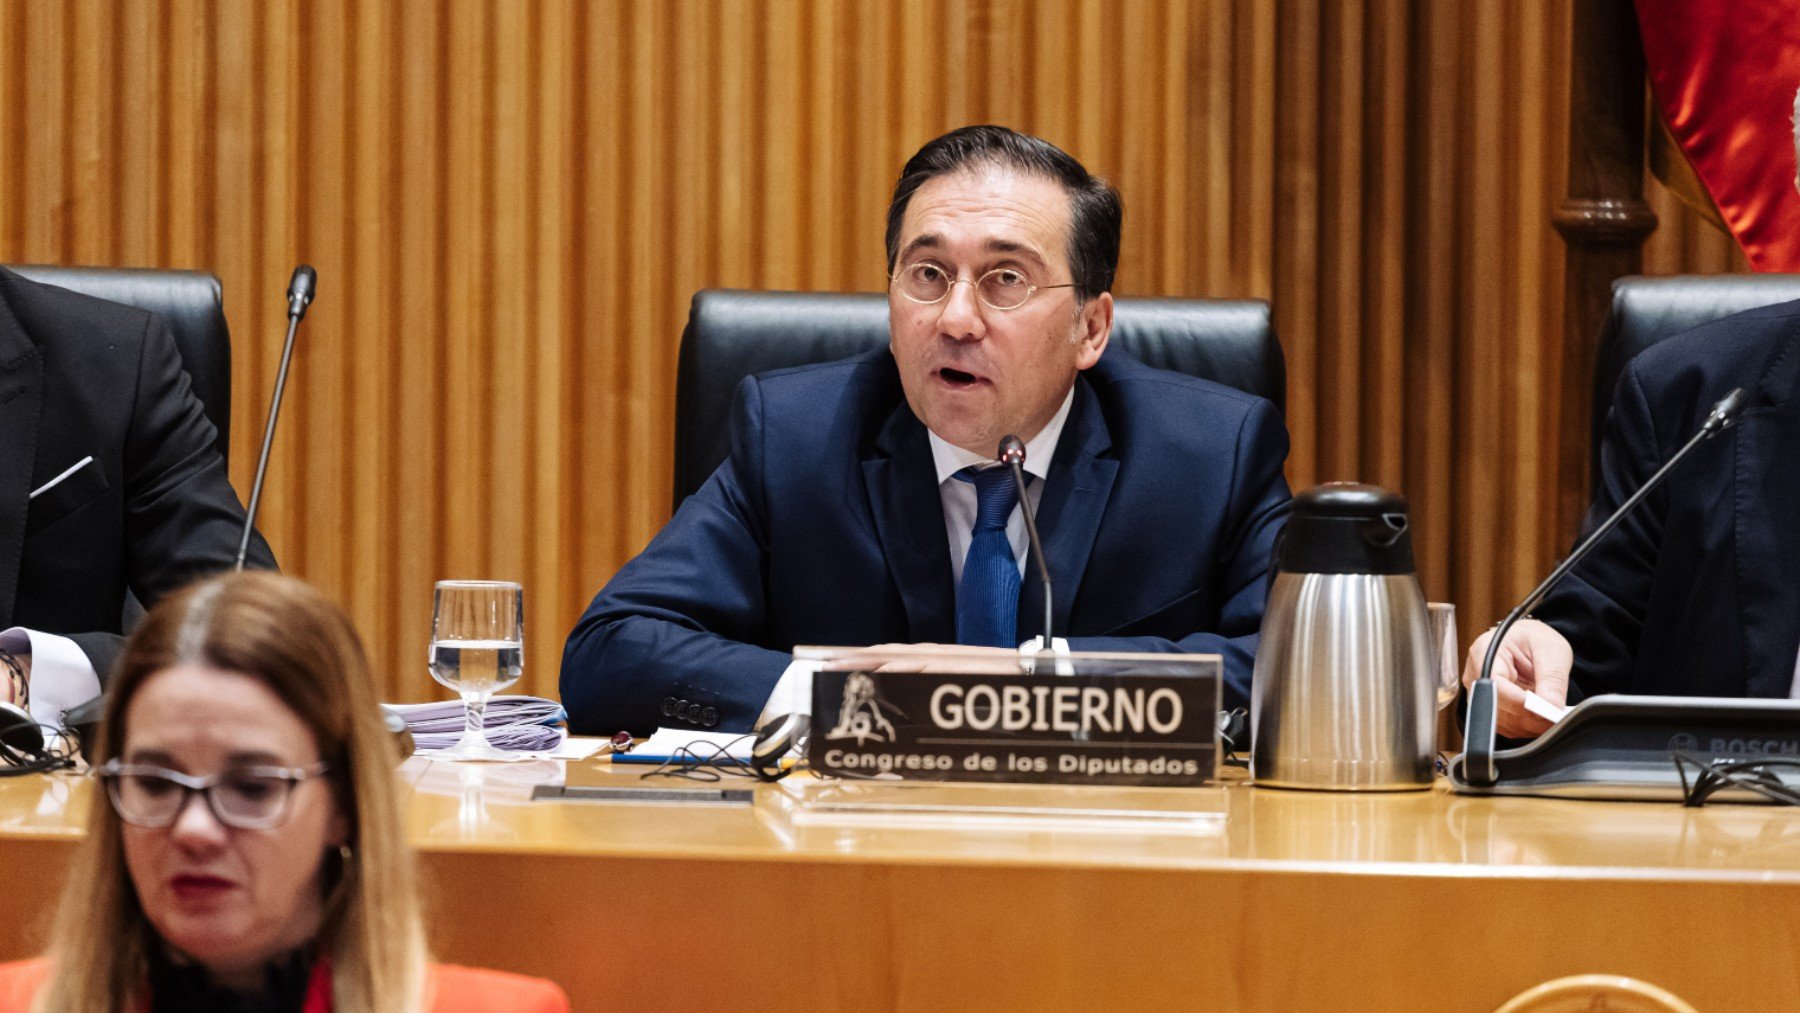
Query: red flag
x,y
1724,75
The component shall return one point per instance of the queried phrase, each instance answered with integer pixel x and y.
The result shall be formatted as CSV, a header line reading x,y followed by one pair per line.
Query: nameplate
x,y
1101,729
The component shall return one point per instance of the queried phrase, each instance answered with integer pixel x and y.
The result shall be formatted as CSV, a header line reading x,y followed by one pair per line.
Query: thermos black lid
x,y
1343,527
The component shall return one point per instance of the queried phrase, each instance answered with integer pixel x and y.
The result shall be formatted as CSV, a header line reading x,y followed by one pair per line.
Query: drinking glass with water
x,y
477,649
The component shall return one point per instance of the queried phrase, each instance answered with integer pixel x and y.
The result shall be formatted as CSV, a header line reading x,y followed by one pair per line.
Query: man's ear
x,y
1095,323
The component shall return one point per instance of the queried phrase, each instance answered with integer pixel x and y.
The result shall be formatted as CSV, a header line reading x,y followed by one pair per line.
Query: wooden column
x,y
1603,221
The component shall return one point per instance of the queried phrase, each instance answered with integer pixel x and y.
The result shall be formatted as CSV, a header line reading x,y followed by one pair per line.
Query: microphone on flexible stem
x,y
1012,452
300,295
1483,715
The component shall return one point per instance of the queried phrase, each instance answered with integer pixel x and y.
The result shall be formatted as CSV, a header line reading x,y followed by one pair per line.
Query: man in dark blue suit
x,y
857,508
1697,592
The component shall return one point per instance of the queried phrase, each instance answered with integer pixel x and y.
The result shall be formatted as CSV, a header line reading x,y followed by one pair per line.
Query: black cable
x,y
60,750
1756,774
709,762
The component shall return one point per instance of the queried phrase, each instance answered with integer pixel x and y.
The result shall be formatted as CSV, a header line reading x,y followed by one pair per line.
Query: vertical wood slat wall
x,y
509,205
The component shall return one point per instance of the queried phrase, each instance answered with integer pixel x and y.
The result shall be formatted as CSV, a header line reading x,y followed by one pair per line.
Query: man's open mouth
x,y
958,378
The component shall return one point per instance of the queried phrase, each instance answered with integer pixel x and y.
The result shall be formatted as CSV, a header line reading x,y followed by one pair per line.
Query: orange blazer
x,y
453,989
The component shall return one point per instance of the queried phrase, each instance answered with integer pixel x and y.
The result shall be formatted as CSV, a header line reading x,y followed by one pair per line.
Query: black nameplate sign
x,y
1081,729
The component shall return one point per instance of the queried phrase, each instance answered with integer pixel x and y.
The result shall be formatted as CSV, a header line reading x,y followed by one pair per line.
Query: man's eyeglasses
x,y
248,798
1003,288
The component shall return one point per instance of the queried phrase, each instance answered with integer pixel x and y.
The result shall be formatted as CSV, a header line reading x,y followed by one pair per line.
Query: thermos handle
x,y
1385,530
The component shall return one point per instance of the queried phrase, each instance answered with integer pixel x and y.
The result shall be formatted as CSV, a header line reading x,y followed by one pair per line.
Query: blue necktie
x,y
987,603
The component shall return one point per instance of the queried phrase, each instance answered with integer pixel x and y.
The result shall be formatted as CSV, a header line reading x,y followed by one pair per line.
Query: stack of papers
x,y
518,723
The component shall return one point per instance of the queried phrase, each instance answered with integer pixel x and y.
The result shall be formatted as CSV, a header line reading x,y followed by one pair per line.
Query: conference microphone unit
x,y
1012,454
299,296
1477,762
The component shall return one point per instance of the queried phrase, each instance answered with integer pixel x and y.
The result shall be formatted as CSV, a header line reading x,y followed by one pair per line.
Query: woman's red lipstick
x,y
195,886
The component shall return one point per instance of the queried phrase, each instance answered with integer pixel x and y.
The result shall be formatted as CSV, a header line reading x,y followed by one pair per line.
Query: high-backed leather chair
x,y
192,304
733,334
1648,310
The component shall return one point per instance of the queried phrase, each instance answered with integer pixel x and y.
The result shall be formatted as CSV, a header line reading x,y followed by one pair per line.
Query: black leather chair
x,y
1648,310
732,334
192,304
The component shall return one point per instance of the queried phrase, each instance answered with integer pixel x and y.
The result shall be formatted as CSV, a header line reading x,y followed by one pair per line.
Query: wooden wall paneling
x,y
1431,313
372,226
556,330
1383,279
13,31
602,287
510,206
1481,472
877,154
1055,80
1254,102
413,451
250,288
91,67
141,114
785,129
510,272
42,138
1211,53
1603,219
1343,262
1176,214
1541,143
326,115
1294,282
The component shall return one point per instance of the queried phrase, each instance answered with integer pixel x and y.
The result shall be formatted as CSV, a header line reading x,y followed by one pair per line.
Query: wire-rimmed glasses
x,y
1003,288
248,798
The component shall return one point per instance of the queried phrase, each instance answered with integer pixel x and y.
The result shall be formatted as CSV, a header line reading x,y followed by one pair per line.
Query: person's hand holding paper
x,y
1534,661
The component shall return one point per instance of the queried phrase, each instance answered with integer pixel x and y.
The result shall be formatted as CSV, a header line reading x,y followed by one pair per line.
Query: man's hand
x,y
1534,657
956,658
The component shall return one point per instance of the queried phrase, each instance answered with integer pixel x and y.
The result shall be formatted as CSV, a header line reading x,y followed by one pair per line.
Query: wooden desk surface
x,y
1281,900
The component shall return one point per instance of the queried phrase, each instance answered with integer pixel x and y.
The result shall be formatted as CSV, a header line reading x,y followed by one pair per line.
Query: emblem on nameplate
x,y
860,714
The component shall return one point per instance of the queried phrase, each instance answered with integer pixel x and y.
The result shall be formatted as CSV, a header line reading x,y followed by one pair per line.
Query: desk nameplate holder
x,y
1623,747
1000,749
1144,720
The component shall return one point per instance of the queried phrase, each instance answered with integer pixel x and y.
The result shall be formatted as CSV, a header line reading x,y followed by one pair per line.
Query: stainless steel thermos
x,y
1343,696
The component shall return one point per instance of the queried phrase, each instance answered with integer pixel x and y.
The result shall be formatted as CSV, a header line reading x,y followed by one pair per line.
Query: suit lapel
x,y
1768,528
21,394
1075,498
909,520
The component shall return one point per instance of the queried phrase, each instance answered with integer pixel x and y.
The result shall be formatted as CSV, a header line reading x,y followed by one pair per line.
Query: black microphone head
x,y
300,289
1726,411
1012,450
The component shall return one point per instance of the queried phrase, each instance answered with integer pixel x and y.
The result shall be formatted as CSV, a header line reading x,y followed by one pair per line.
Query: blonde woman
x,y
247,851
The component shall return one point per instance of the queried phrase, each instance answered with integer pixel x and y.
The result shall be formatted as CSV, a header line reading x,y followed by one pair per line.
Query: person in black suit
x,y
851,509
109,483
1697,592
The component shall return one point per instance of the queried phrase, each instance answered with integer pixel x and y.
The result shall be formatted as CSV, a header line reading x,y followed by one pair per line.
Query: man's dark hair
x,y
1095,211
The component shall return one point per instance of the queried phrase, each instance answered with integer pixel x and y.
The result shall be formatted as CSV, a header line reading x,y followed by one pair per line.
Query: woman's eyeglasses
x,y
248,798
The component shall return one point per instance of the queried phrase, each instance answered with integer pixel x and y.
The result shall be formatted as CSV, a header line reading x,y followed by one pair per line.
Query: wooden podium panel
x,y
1294,900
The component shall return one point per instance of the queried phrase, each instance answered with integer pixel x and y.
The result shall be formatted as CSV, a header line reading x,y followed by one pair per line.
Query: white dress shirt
x,y
793,691
61,676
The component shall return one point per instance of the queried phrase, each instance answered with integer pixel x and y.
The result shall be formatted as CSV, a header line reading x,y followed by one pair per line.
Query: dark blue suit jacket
x,y
825,526
1698,592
